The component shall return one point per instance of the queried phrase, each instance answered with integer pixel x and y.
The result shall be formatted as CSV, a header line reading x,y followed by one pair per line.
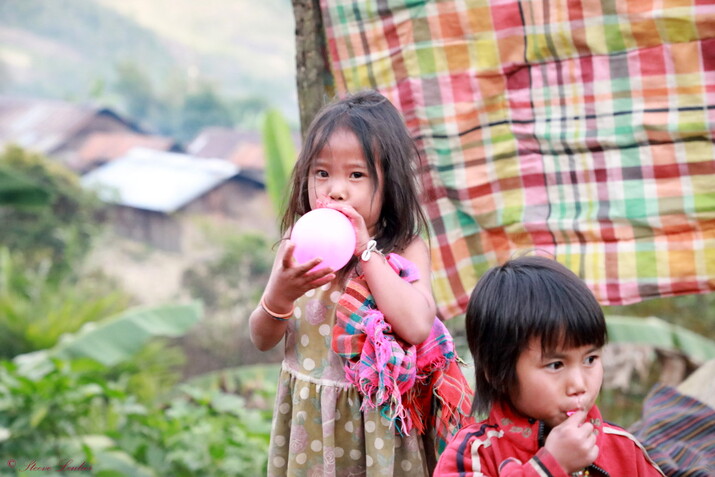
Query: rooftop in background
x,y
242,148
47,125
102,147
158,181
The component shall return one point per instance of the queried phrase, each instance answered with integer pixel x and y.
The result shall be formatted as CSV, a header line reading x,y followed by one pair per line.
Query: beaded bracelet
x,y
274,315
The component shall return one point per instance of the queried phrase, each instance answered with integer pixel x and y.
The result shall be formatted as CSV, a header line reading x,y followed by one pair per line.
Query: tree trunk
x,y
313,77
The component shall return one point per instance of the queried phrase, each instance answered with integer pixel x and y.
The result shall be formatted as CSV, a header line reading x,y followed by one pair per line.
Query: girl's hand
x,y
289,280
362,235
573,443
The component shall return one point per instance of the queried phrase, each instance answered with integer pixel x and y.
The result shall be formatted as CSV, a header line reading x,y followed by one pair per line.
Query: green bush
x,y
52,411
58,232
37,309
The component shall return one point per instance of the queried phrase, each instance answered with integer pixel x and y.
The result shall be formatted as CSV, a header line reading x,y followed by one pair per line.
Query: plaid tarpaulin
x,y
581,128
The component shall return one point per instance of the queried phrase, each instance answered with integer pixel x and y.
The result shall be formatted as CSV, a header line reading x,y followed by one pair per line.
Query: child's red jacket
x,y
506,444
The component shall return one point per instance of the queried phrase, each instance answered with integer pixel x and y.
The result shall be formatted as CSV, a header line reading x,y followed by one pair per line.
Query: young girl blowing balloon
x,y
369,384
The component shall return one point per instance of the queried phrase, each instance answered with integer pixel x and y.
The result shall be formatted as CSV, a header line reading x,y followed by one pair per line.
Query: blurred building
x,y
242,148
102,147
157,196
57,129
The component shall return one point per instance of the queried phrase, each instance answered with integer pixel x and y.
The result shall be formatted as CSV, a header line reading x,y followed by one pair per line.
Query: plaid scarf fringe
x,y
415,387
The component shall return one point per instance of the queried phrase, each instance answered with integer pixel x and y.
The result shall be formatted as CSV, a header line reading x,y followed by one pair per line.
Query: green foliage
x,y
660,334
37,309
19,190
61,410
255,382
235,276
135,87
248,112
280,156
42,408
200,433
58,235
117,338
201,109
689,311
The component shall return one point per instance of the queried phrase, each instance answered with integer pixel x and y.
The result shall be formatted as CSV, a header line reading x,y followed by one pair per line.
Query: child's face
x,y
340,173
552,384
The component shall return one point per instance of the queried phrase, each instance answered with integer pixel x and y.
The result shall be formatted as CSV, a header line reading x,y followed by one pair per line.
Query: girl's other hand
x,y
573,443
290,279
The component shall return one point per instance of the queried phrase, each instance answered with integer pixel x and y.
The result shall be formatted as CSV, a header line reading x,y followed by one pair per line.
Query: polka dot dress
x,y
318,428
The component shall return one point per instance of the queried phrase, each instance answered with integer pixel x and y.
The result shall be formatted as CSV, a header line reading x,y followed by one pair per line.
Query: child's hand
x,y
362,235
290,280
573,443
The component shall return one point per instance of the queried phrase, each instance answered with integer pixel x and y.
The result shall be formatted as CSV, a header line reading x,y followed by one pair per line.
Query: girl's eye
x,y
591,359
555,365
357,175
321,173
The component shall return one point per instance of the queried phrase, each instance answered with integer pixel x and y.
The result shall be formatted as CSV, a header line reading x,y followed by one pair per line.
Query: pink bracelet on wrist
x,y
274,315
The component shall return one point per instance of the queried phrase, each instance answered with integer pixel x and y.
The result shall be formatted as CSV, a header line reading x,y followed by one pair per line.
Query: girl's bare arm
x,y
288,282
408,307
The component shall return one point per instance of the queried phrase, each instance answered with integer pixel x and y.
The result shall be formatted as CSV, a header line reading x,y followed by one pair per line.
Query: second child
x,y
535,332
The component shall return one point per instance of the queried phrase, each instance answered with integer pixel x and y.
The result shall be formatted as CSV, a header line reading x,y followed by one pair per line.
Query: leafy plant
x,y
37,308
65,410
233,276
72,404
660,334
201,432
280,156
687,311
58,233
19,190
118,338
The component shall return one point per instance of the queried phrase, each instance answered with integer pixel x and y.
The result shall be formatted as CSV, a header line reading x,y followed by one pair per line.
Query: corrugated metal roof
x,y
156,180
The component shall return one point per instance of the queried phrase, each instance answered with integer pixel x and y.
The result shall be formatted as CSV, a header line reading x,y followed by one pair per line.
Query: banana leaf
x,y
116,339
660,334
279,152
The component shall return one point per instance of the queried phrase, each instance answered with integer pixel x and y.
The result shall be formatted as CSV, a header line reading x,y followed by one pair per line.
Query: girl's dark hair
x,y
526,297
387,144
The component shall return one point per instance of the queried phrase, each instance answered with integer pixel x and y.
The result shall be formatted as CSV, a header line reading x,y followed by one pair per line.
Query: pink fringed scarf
x,y
418,387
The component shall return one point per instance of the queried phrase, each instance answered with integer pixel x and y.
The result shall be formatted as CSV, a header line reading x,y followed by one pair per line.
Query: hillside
x,y
70,49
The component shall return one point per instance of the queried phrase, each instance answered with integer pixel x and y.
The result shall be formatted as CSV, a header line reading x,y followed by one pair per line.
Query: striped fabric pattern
x,y
583,129
678,432
416,387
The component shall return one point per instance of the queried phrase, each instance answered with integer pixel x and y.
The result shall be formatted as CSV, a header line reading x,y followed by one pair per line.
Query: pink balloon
x,y
324,233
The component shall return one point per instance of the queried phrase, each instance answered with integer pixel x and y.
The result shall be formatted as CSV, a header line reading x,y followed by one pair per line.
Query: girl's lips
x,y
572,411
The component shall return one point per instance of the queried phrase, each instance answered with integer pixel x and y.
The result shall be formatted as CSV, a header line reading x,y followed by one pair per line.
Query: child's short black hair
x,y
526,297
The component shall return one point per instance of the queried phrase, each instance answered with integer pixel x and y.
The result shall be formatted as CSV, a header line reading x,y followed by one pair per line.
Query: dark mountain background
x,y
171,65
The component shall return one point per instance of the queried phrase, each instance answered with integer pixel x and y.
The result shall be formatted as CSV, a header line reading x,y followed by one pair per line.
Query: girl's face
x,y
340,173
551,384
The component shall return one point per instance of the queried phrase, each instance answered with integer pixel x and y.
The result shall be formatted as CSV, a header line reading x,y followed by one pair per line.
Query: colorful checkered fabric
x,y
583,129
